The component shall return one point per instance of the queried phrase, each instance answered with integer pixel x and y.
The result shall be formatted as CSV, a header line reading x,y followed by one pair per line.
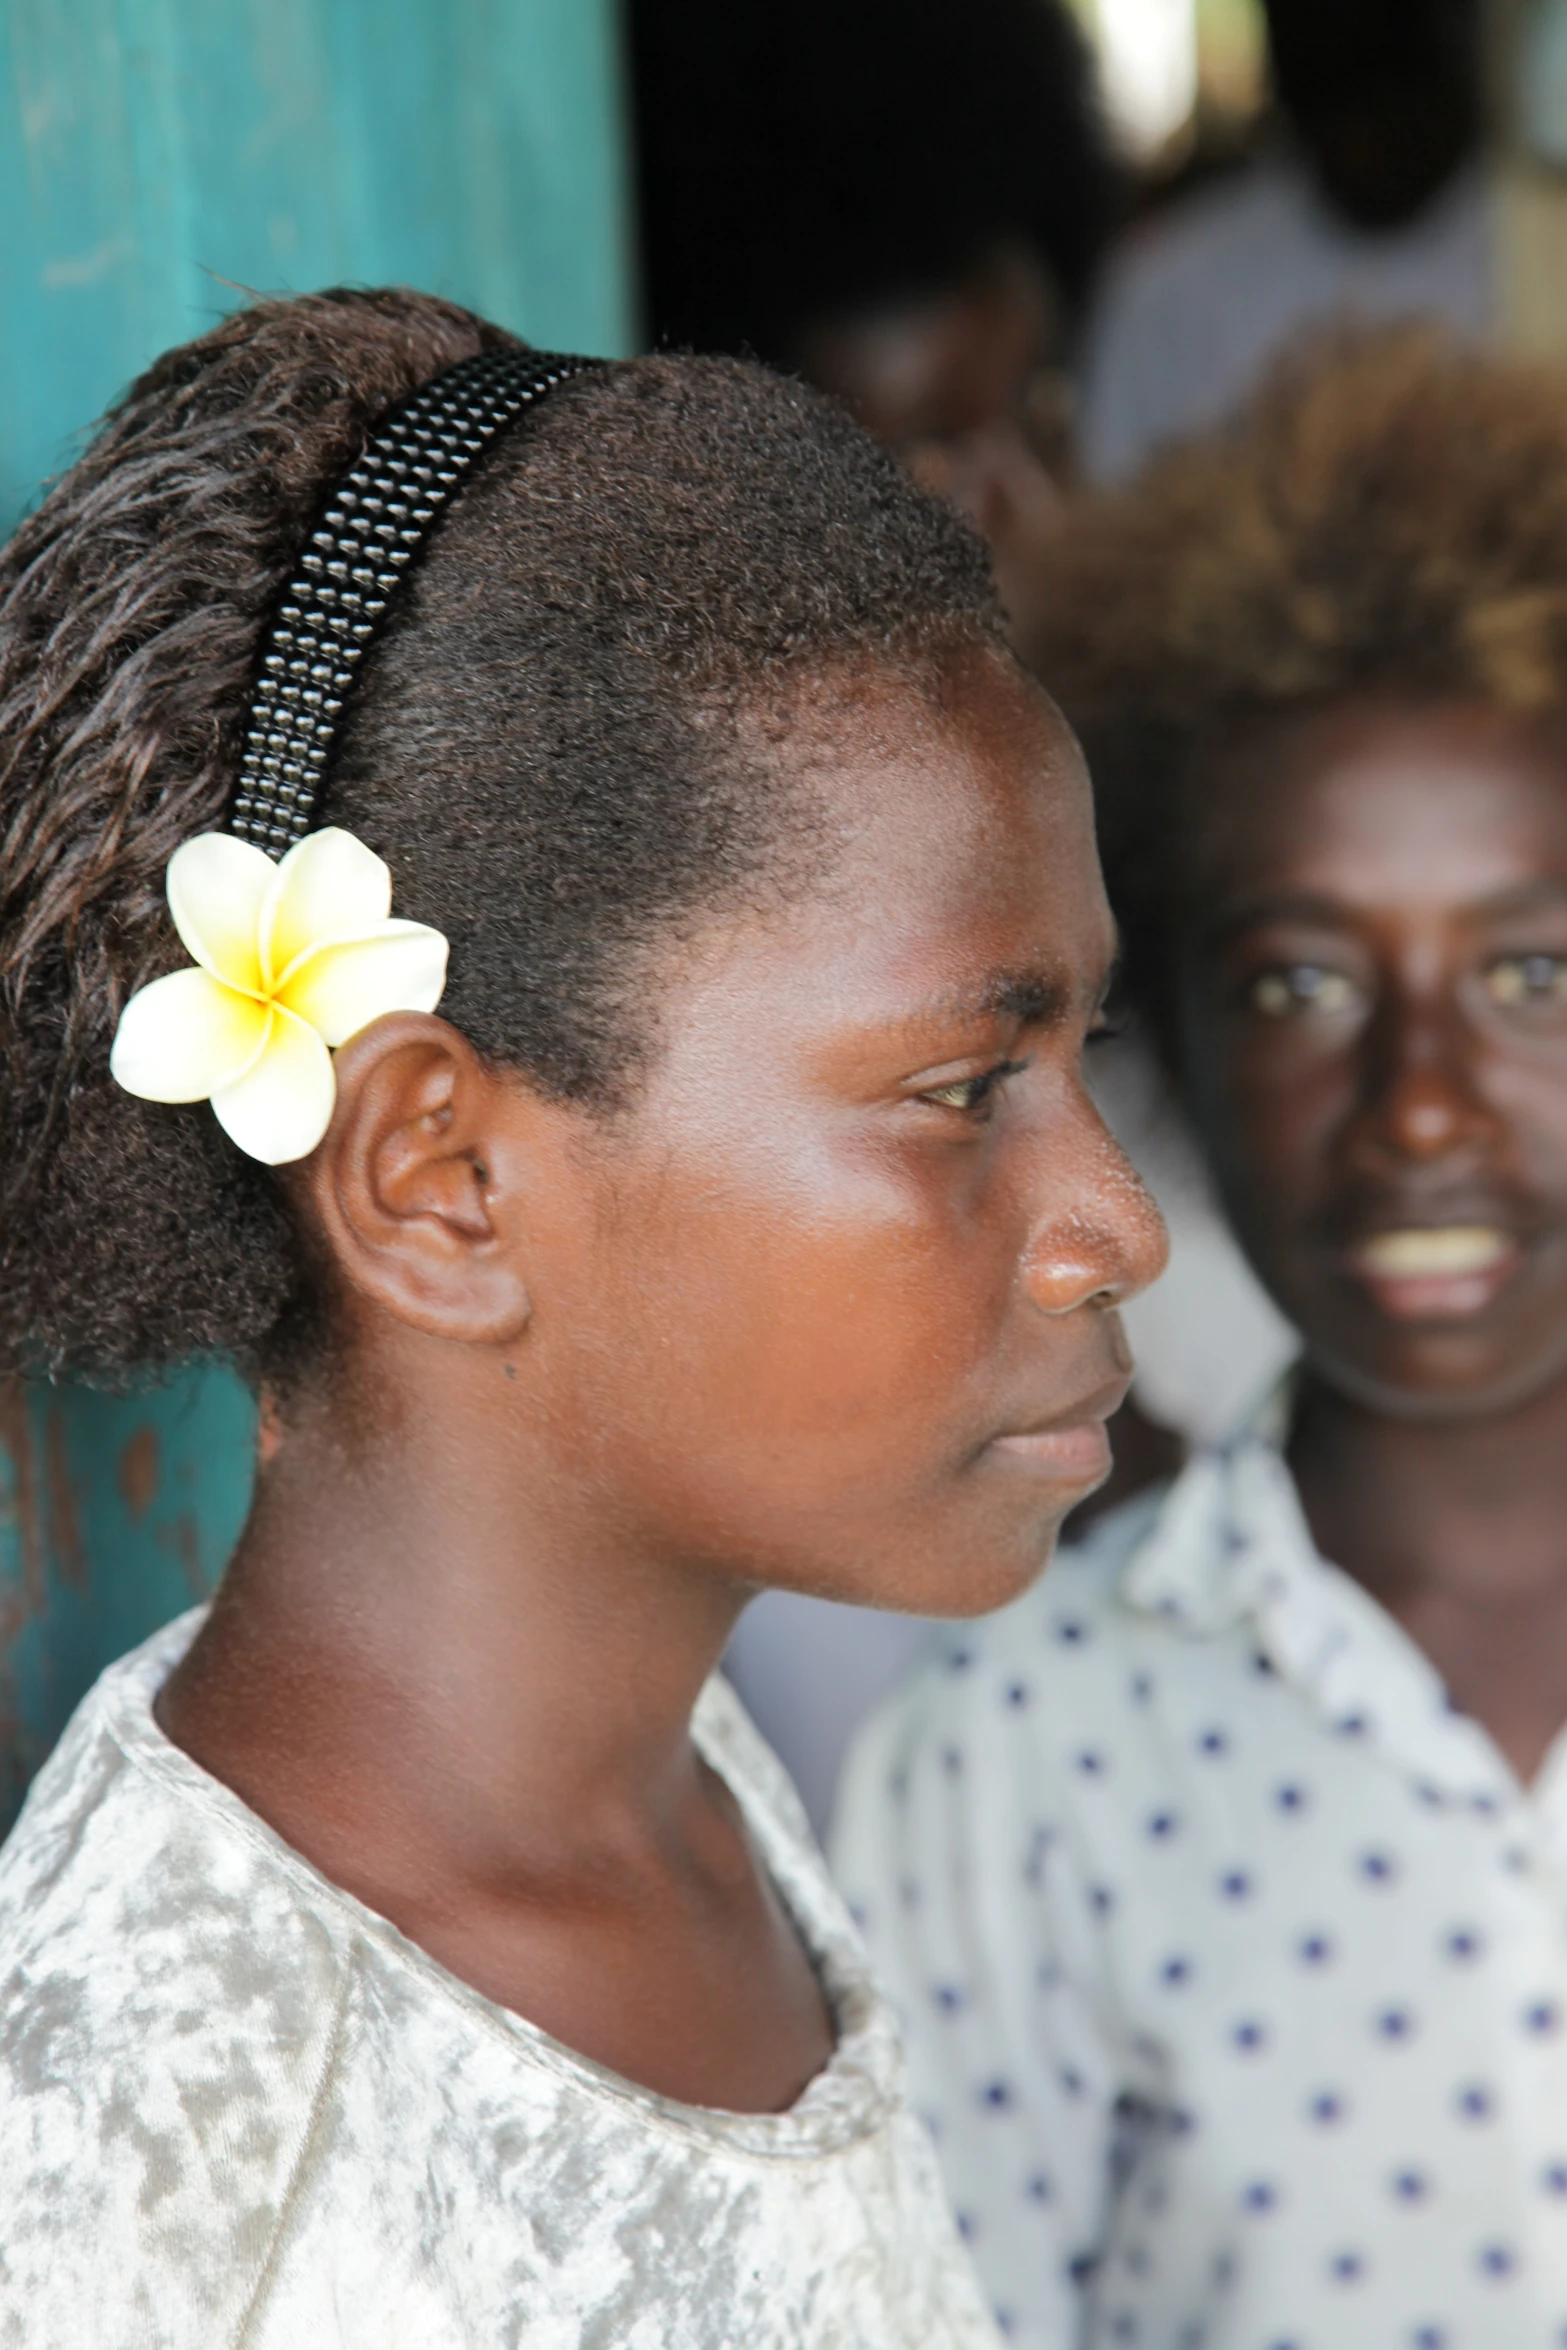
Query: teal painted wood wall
x,y
114,1515
157,157
157,154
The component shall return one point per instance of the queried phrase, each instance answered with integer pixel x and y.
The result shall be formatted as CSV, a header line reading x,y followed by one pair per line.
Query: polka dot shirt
x,y
1232,1959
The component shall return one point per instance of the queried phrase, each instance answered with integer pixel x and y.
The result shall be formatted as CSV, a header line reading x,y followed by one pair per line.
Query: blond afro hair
x,y
1387,515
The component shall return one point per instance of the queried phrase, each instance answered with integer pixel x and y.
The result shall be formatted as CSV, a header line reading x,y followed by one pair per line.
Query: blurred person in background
x,y
901,200
1371,199
1222,1881
905,202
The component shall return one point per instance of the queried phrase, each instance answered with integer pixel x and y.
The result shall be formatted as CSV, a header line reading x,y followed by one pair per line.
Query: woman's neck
x,y
1458,1529
454,1633
435,1673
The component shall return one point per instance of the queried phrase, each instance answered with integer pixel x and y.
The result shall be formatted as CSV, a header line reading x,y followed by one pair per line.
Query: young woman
x,y
1223,1881
418,1947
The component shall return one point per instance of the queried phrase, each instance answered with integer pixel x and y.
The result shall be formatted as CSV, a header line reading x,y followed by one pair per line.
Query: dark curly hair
x,y
549,744
1386,515
798,158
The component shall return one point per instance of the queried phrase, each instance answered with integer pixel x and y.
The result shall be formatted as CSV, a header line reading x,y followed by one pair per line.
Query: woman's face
x,y
832,1302
1373,1027
968,387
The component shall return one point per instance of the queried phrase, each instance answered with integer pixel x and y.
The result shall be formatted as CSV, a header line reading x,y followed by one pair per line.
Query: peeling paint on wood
x,y
97,1547
137,1471
21,1525
65,1528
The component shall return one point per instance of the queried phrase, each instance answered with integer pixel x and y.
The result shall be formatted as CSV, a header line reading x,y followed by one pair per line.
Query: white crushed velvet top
x,y
238,2111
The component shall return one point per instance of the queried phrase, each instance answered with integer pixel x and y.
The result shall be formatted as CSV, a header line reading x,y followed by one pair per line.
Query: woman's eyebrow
x,y
1028,997
1542,895
1286,906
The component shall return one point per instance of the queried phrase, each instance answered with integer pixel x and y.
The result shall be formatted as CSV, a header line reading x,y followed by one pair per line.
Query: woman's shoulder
x,y
125,1843
234,2105
166,2005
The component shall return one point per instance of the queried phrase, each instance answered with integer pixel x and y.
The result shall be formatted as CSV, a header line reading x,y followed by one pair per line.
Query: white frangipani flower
x,y
292,957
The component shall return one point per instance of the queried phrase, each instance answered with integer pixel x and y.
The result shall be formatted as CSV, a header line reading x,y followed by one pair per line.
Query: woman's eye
x,y
1535,981
1293,988
970,1094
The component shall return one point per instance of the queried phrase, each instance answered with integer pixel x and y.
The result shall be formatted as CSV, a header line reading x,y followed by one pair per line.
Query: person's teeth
x,y
1430,1254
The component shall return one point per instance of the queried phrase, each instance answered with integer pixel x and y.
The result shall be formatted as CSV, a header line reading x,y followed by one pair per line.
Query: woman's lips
x,y
1072,1447
1078,1454
1435,1272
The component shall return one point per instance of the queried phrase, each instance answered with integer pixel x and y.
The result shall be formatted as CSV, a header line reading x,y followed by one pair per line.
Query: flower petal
x,y
328,886
217,886
181,1038
344,985
282,1106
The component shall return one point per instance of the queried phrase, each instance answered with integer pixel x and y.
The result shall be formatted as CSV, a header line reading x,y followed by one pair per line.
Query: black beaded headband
x,y
373,526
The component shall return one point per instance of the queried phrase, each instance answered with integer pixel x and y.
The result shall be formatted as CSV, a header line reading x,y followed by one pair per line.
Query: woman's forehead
x,y
1449,801
935,795
962,862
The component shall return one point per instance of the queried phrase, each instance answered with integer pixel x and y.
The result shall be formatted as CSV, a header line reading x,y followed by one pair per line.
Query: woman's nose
x,y
1423,1102
1427,1114
1103,1249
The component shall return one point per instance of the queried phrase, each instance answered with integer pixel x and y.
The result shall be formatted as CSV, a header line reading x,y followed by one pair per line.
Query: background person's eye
x,y
1291,989
1535,981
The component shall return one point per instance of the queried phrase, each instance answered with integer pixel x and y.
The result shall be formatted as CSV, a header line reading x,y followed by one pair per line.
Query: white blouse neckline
x,y
849,2098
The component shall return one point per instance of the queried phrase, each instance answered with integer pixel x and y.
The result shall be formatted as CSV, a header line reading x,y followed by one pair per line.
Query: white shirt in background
x,y
1196,303
1233,1960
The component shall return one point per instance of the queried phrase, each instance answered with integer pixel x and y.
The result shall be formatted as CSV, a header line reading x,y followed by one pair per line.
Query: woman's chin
x,y
988,1574
1441,1371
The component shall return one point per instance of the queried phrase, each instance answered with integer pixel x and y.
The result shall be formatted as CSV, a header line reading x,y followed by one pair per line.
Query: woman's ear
x,y
417,1189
